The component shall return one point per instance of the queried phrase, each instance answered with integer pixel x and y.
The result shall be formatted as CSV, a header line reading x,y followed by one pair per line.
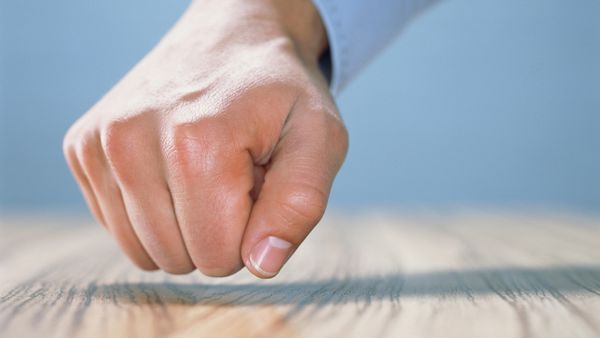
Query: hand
x,y
218,149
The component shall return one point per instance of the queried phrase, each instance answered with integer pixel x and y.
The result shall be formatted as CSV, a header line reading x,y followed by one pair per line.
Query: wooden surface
x,y
369,275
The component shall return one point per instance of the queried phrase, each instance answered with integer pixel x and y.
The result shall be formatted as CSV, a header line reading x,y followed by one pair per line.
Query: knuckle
x,y
330,131
87,151
121,140
340,132
198,146
305,205
115,139
80,147
340,138
69,149
70,140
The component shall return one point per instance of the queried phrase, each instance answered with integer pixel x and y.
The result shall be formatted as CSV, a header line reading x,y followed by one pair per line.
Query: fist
x,y
219,149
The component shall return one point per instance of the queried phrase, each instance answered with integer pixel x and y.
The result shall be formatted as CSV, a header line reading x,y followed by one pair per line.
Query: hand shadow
x,y
509,283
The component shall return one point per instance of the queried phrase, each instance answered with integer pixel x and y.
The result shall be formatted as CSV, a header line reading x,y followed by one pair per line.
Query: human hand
x,y
218,149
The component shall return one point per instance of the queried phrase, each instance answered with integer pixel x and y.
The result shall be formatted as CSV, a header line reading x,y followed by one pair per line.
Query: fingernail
x,y
269,255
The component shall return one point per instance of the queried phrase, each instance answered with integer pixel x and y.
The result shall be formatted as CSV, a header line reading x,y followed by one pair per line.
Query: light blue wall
x,y
478,103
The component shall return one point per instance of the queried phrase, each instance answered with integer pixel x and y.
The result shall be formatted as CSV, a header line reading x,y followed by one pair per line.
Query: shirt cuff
x,y
357,30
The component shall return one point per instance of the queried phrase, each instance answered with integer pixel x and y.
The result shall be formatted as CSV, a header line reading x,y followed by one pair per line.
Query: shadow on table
x,y
507,283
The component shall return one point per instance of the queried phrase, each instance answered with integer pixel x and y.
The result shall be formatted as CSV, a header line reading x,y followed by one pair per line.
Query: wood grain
x,y
377,274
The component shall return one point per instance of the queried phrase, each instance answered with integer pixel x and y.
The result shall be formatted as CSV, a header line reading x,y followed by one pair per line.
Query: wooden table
x,y
375,274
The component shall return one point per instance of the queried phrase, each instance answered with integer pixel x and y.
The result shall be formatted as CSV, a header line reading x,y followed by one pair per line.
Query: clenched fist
x,y
218,149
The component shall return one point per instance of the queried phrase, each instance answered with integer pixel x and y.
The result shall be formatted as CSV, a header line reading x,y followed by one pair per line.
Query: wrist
x,y
303,23
254,20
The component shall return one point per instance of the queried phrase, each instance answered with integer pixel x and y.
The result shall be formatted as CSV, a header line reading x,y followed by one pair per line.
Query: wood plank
x,y
375,274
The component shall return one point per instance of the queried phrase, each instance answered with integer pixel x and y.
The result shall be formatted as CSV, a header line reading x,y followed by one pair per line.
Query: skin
x,y
224,134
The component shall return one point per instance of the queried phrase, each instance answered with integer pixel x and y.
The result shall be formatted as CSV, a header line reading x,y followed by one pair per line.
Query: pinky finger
x,y
84,184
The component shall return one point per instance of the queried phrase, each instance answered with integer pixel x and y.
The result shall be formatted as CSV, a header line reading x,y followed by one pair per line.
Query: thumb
x,y
295,190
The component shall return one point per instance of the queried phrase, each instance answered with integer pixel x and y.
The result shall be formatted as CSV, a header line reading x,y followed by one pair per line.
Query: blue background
x,y
477,103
